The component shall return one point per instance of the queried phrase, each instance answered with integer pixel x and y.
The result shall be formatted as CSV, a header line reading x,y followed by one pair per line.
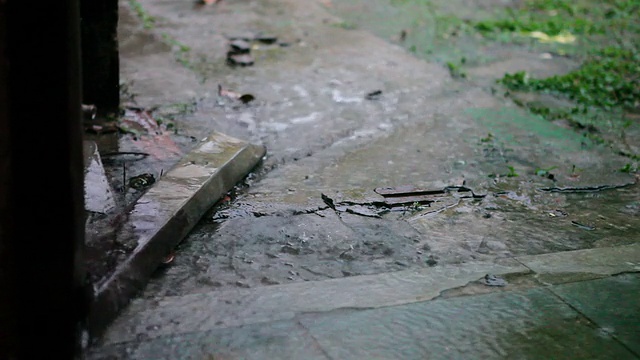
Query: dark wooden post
x,y
41,180
101,66
7,321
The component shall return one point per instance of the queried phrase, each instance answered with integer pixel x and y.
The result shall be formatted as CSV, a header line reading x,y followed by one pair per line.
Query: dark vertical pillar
x,y
101,67
41,197
7,323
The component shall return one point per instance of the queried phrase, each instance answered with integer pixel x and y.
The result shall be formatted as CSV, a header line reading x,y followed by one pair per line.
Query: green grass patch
x,y
604,36
610,71
180,50
608,78
148,21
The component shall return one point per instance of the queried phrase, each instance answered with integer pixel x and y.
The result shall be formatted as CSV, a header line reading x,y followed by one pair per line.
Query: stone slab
x,y
166,213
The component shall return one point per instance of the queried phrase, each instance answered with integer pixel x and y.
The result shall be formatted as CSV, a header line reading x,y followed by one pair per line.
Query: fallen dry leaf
x,y
244,98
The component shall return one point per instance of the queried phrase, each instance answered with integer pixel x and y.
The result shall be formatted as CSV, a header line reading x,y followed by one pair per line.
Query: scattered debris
x,y
246,36
289,249
227,93
363,210
142,181
105,128
239,59
244,98
240,46
493,280
239,53
242,285
122,156
431,261
446,205
546,173
408,194
583,226
267,281
402,198
89,111
563,37
374,95
266,38
403,36
558,213
168,259
347,254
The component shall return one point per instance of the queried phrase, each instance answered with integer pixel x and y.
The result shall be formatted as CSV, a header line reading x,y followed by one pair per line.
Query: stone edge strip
x,y
162,217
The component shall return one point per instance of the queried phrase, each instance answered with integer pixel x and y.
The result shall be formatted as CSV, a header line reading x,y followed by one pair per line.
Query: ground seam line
x,y
315,341
613,336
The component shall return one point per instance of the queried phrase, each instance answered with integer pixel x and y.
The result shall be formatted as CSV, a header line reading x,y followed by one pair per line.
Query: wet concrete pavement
x,y
533,316
280,235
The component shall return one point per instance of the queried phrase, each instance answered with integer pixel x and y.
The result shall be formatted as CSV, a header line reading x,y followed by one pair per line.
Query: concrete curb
x,y
162,217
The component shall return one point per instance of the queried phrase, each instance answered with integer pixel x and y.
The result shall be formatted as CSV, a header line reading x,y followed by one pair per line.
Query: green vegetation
x,y
148,21
180,50
487,139
604,36
455,69
609,30
544,172
345,25
168,115
629,168
609,78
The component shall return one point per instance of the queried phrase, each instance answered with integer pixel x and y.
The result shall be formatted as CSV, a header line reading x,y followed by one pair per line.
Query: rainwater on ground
x,y
541,187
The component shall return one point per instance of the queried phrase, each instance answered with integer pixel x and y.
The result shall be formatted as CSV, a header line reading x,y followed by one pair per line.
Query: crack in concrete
x,y
583,189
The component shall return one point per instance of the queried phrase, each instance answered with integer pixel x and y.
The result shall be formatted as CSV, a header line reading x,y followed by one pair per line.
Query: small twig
x,y
434,211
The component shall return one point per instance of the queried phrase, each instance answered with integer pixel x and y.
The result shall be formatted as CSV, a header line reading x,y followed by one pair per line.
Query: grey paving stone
x,y
217,309
612,303
532,324
571,266
276,340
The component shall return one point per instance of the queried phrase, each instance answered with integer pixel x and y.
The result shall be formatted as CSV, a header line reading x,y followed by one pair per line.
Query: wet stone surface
x,y
501,325
285,249
530,323
615,314
273,340
263,252
323,136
